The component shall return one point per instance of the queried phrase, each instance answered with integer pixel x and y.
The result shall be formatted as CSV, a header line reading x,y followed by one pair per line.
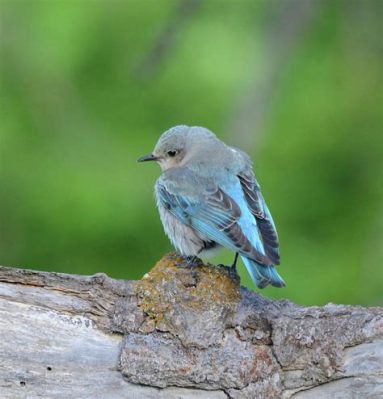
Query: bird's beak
x,y
149,157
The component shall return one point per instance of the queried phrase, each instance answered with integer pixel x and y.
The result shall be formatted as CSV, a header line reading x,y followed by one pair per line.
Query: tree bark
x,y
180,332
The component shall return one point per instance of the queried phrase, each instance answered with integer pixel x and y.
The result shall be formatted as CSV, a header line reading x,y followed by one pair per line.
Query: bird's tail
x,y
263,275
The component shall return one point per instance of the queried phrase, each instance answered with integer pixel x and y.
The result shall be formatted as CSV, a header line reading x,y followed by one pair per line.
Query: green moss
x,y
170,283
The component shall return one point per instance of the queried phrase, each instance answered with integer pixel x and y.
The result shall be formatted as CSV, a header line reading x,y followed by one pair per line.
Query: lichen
x,y
173,283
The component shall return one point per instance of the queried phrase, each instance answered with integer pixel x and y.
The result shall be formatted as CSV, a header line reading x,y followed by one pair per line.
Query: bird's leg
x,y
233,268
234,265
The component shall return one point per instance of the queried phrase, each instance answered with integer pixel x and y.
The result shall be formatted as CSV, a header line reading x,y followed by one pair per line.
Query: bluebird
x,y
208,197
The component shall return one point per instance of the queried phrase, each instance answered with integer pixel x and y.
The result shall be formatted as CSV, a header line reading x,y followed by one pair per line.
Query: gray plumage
x,y
208,197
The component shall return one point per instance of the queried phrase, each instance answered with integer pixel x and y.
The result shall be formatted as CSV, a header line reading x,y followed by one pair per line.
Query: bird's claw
x,y
190,262
233,272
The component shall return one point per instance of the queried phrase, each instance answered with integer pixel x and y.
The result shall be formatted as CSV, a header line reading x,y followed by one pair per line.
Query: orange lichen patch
x,y
173,285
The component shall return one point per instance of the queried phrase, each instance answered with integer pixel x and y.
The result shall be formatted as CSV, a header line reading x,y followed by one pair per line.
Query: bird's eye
x,y
172,153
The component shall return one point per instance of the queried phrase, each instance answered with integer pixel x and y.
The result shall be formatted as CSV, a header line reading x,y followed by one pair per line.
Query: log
x,y
180,332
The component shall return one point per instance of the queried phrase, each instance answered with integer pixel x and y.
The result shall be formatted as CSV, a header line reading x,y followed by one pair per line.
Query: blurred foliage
x,y
88,86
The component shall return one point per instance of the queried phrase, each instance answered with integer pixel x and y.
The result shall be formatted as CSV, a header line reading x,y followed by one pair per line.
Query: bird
x,y
208,197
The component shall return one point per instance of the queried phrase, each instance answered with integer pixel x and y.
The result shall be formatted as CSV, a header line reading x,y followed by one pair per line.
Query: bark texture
x,y
179,333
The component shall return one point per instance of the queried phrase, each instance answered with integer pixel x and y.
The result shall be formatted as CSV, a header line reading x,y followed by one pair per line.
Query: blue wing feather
x,y
260,211
220,216
224,217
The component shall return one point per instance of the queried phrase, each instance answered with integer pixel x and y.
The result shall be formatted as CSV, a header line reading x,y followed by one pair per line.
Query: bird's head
x,y
178,145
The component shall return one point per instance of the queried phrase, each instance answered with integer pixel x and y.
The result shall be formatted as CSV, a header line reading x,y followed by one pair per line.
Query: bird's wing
x,y
259,209
210,211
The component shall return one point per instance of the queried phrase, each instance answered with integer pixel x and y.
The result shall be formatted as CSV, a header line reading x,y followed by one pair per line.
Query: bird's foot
x,y
191,262
231,271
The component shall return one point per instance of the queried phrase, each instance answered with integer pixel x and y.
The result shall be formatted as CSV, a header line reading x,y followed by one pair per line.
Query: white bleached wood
x,y
65,336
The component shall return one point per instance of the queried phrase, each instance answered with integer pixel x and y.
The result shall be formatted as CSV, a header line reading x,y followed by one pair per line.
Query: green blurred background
x,y
88,86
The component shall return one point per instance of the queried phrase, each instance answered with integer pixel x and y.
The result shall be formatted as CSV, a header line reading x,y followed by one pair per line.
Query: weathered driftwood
x,y
179,333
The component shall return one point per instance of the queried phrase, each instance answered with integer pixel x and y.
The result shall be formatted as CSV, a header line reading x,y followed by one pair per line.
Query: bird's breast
x,y
183,237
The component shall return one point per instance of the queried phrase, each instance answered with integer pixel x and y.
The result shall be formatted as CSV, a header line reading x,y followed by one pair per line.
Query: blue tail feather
x,y
263,275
